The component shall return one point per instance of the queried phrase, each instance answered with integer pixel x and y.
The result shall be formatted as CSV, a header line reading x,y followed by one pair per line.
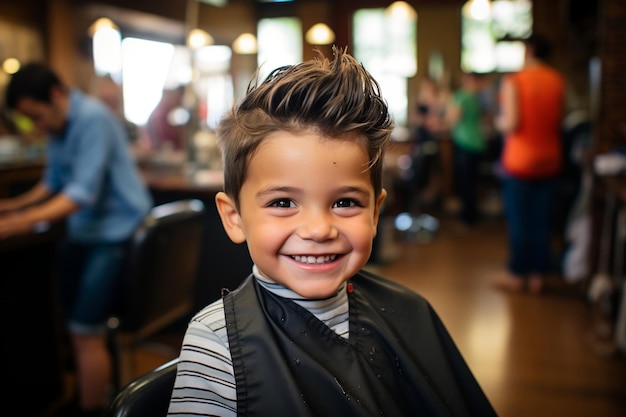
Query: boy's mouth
x,y
310,259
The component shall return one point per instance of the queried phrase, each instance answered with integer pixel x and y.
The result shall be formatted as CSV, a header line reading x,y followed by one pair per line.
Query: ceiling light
x,y
401,10
245,44
197,38
101,24
11,65
320,34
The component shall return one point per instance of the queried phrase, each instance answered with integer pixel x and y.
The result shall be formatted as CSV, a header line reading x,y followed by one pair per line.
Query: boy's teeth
x,y
314,259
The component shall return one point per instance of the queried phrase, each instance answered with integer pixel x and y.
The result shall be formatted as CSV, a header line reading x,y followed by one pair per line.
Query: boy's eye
x,y
346,202
282,203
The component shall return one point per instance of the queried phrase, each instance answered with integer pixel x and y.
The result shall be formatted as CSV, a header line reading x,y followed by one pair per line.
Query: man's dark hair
x,y
540,45
33,80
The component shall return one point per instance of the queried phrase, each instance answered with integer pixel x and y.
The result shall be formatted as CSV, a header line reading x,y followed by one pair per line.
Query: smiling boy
x,y
309,333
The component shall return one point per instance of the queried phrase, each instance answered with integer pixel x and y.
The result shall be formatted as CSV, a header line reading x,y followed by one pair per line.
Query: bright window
x,y
214,86
489,34
385,41
107,53
279,42
145,68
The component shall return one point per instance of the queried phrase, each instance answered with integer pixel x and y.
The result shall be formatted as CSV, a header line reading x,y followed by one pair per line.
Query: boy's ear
x,y
230,217
379,204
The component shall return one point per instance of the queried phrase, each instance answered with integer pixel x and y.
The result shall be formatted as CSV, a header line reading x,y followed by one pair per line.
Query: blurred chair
x,y
158,280
148,395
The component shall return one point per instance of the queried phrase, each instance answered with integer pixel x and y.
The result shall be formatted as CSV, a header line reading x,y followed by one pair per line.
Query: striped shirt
x,y
205,380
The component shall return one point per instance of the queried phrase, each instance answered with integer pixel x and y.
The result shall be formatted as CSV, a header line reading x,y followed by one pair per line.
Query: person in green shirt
x,y
464,115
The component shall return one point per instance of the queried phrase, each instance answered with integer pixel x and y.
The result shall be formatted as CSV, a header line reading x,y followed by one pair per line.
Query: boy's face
x,y
307,211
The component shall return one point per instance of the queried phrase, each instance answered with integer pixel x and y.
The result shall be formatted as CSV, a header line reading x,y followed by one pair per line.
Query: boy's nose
x,y
318,227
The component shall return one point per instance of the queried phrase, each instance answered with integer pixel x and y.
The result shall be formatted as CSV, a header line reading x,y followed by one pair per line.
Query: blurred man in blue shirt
x,y
91,180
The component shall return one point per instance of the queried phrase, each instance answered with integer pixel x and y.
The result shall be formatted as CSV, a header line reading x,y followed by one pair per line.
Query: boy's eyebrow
x,y
289,189
278,188
354,189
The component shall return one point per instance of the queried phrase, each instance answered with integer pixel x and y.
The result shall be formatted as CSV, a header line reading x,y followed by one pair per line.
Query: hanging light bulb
x,y
101,24
320,34
197,38
401,10
11,65
245,44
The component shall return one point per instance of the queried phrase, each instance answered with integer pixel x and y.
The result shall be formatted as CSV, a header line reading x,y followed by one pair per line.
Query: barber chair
x,y
158,281
147,395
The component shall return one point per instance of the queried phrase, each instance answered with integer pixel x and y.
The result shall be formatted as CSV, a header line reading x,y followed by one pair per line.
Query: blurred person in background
x,y
532,108
90,179
426,122
465,117
429,107
164,131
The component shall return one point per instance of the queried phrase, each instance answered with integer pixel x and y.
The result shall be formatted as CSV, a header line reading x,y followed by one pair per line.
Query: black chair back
x,y
148,395
158,279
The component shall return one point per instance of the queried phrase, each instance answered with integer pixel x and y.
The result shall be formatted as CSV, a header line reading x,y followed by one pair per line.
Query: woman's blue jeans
x,y
527,206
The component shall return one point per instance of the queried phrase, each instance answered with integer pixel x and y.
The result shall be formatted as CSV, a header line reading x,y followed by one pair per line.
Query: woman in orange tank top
x,y
532,110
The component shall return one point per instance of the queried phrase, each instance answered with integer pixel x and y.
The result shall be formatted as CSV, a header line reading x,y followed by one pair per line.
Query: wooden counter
x,y
18,176
165,178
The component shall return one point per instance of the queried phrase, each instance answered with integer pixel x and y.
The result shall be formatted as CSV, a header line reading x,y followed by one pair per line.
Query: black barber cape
x,y
399,360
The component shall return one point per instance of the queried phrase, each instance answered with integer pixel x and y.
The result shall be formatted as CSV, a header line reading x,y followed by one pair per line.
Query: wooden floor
x,y
529,352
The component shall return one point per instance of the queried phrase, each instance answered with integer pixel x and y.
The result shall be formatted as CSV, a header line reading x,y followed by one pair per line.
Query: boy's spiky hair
x,y
336,98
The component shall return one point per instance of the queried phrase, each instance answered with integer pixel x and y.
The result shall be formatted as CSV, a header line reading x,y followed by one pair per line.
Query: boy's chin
x,y
317,290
